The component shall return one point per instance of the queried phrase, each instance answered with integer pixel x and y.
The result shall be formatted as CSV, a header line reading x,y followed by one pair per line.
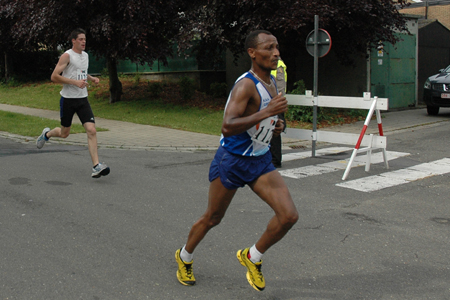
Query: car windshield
x,y
446,70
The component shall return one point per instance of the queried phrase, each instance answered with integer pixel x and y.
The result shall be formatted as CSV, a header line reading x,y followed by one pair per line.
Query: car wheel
x,y
432,110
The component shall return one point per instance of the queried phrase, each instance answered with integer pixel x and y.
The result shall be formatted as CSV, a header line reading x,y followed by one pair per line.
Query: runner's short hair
x,y
74,34
252,38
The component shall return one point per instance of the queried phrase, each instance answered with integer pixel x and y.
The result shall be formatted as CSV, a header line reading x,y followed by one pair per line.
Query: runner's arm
x,y
60,66
242,110
93,79
279,127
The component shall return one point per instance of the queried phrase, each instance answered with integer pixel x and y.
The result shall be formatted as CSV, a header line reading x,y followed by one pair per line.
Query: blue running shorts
x,y
236,171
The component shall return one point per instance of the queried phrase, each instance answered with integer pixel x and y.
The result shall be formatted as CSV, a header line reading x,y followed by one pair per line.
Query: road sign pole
x,y
318,44
316,75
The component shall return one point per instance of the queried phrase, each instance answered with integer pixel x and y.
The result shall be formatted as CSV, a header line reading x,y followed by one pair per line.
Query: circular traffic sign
x,y
323,43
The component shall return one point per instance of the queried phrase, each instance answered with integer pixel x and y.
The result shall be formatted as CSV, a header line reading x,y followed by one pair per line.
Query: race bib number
x,y
264,131
81,74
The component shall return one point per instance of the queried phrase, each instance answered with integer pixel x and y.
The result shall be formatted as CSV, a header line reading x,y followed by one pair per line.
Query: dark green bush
x,y
155,88
187,87
218,89
296,112
136,79
328,114
104,73
10,82
299,88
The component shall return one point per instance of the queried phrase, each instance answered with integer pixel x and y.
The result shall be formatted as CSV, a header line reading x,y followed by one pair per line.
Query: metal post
x,y
316,75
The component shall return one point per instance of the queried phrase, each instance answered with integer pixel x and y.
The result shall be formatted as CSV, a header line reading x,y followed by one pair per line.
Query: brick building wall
x,y
435,12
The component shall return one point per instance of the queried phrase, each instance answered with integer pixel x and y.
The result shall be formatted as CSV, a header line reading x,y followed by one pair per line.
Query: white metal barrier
x,y
369,142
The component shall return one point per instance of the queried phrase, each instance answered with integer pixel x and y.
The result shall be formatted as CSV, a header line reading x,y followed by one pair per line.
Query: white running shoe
x,y
40,142
100,170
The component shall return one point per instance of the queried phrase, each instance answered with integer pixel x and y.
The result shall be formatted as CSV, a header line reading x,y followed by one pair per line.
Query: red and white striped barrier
x,y
369,142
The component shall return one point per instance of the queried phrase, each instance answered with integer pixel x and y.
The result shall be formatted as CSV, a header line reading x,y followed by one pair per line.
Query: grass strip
x,y
32,126
140,110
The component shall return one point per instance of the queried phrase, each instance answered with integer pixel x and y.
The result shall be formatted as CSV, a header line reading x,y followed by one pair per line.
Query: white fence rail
x,y
370,142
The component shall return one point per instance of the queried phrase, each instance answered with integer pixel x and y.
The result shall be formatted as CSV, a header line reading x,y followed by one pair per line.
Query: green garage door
x,y
393,72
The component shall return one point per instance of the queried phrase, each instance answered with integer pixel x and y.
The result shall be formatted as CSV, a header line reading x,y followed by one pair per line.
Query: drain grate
x,y
297,147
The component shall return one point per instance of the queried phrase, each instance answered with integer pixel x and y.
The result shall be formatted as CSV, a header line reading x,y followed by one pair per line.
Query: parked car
x,y
436,91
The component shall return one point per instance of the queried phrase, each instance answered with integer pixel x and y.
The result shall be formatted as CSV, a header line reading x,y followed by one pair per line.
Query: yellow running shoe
x,y
254,274
185,274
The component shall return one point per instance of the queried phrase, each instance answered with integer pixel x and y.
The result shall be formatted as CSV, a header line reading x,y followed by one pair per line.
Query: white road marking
x,y
319,152
333,166
389,179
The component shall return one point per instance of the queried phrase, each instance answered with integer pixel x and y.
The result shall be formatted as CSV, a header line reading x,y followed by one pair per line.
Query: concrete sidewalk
x,y
135,136
124,134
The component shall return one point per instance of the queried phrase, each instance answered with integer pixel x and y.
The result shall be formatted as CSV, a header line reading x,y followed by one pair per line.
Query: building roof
x,y
422,3
430,10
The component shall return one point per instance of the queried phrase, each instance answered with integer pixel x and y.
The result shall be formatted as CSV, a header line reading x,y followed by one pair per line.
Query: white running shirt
x,y
76,69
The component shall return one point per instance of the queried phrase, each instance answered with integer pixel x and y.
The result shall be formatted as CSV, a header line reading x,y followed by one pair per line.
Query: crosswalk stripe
x,y
389,179
333,166
319,152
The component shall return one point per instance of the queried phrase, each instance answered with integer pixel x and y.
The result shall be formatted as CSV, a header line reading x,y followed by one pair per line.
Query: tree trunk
x,y
6,66
115,86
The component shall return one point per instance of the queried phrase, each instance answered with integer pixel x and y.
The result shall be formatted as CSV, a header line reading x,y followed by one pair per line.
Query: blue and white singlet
x,y
256,140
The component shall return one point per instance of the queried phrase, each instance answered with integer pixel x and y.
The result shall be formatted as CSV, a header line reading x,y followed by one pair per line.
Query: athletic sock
x,y
186,256
95,166
45,136
254,255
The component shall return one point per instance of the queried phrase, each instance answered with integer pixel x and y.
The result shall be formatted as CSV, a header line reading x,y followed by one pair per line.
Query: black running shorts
x,y
70,106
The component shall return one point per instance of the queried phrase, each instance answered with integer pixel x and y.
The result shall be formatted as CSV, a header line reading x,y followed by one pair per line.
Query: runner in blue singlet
x,y
250,120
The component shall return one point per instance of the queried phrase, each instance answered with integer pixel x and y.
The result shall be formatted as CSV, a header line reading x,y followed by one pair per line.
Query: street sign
x,y
323,43
318,44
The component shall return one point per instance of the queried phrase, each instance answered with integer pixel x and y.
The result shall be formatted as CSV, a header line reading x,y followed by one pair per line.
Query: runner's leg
x,y
61,132
271,188
67,110
86,116
219,198
92,141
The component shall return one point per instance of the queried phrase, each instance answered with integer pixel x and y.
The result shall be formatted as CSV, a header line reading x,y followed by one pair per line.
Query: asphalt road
x,y
65,235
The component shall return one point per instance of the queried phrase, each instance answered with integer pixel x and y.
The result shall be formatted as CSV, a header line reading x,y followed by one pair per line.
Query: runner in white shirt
x,y
72,72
